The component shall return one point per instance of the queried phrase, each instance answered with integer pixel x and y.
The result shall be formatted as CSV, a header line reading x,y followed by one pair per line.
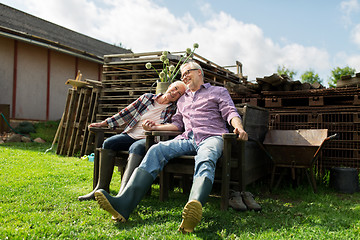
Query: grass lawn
x,y
38,199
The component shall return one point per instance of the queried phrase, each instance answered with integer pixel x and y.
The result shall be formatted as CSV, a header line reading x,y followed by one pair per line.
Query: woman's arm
x,y
150,125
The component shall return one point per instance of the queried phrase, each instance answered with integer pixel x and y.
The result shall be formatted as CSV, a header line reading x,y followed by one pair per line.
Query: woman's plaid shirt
x,y
132,113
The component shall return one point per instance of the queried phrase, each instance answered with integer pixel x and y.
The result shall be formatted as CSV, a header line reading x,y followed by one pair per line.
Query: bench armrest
x,y
162,133
100,134
229,136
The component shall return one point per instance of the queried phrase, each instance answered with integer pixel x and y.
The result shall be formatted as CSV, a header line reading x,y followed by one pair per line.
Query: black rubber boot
x,y
120,207
192,212
133,162
106,169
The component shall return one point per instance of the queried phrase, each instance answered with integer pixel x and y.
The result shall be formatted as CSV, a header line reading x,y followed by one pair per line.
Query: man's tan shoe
x,y
191,215
236,202
250,201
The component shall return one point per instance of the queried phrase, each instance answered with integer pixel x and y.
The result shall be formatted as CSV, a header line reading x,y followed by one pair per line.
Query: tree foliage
x,y
338,72
310,77
284,70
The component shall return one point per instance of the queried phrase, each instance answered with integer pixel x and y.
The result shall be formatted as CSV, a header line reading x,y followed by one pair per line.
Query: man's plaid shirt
x,y
132,113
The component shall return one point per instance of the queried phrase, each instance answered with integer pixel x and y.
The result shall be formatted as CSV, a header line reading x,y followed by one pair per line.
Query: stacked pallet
x,y
283,82
74,136
312,97
349,81
257,93
125,78
294,105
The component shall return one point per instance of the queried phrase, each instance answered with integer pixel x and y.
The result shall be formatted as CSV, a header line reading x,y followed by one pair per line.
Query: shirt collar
x,y
158,95
205,85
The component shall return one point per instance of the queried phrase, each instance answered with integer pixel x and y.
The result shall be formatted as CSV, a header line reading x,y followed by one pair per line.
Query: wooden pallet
x,y
78,113
125,78
312,98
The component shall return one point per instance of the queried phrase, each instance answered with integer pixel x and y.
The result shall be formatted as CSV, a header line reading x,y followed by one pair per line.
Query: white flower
x,y
169,73
162,75
148,65
163,58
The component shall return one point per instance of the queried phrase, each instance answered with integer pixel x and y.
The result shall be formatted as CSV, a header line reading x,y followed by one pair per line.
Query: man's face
x,y
175,91
191,77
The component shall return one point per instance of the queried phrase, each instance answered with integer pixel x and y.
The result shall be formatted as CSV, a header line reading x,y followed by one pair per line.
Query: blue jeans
x,y
123,142
206,155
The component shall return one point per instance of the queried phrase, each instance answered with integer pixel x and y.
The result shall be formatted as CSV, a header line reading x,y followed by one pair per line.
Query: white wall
x,y
31,82
62,68
32,76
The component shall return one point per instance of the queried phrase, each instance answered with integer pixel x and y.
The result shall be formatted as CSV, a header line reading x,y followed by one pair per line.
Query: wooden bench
x,y
242,162
184,165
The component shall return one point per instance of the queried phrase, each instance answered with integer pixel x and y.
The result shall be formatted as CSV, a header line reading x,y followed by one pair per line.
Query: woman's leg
x,y
106,165
136,154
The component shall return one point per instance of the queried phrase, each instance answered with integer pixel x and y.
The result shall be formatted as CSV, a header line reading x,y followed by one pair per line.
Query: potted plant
x,y
169,72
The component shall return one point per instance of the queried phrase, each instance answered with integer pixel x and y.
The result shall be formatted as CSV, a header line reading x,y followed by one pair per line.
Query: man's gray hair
x,y
193,65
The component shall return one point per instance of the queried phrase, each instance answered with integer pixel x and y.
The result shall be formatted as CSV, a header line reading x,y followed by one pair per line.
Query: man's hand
x,y
242,135
238,129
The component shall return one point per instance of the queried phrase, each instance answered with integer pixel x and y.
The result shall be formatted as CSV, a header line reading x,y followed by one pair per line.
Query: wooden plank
x,y
81,122
88,139
73,131
65,115
68,122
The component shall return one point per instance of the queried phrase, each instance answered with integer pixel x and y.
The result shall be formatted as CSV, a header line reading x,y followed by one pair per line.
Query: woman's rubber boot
x,y
106,169
121,206
192,212
133,162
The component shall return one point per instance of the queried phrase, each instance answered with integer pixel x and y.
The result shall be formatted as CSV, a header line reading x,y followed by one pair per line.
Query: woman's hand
x,y
148,125
100,124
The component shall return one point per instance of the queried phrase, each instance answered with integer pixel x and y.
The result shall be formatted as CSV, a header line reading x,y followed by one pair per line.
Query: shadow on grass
x,y
287,211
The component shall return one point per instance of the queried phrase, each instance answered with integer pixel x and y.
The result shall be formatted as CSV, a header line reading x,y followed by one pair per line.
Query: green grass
x,y
38,199
45,130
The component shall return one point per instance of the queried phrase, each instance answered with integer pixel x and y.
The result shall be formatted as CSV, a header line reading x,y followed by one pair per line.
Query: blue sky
x,y
300,35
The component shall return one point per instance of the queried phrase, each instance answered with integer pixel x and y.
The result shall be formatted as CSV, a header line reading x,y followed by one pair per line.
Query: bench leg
x,y
164,186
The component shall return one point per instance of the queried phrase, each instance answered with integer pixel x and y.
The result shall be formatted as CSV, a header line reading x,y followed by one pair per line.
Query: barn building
x,y
36,59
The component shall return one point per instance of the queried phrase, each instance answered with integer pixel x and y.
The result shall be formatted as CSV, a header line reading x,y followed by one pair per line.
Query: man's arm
x,y
238,128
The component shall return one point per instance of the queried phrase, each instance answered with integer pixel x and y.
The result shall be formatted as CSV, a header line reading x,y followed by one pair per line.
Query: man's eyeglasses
x,y
186,73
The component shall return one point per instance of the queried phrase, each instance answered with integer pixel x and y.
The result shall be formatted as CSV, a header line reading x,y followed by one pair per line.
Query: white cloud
x,y
355,35
348,8
343,59
145,26
354,62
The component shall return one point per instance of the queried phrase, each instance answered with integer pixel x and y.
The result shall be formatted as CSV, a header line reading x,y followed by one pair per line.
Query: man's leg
x,y
208,153
160,154
143,176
